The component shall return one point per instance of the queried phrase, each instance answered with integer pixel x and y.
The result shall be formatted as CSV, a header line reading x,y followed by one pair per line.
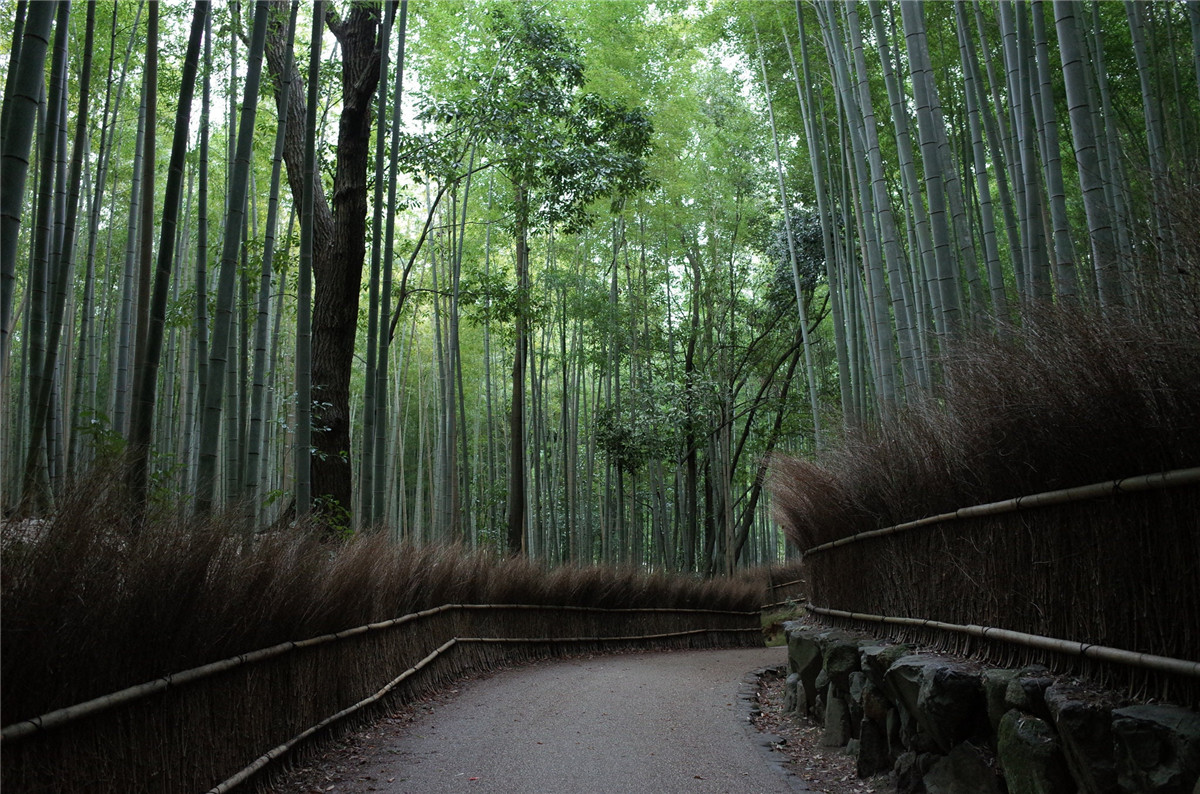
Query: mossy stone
x,y
1032,757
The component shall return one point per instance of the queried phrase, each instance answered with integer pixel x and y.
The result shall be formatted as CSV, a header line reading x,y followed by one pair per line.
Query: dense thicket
x,y
579,270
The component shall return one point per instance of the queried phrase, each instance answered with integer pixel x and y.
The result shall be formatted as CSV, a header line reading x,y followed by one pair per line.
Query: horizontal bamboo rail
x,y
785,584
276,752
282,749
1146,482
68,714
1145,661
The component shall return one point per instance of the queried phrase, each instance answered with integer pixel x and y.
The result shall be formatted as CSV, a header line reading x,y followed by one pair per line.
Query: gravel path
x,y
646,722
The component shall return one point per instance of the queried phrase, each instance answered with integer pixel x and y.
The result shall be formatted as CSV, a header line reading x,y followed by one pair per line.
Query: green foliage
x,y
560,148
644,429
107,443
809,246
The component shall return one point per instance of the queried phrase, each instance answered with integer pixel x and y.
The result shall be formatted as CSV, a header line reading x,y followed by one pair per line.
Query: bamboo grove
x,y
551,279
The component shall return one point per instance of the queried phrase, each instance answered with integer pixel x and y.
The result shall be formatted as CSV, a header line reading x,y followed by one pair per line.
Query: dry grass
x,y
1069,398
92,606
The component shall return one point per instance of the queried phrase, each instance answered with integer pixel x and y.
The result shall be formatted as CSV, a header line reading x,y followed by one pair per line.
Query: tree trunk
x,y
516,420
147,380
339,242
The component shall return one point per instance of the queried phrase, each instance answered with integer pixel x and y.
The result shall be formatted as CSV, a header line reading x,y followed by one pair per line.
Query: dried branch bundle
x,y
92,607
1067,400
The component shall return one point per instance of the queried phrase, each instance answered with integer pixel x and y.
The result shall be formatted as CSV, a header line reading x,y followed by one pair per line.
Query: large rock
x,y
874,704
873,753
840,656
995,689
1083,719
1032,756
910,771
804,659
1157,749
1026,690
837,721
791,687
966,770
944,696
895,741
874,661
821,701
858,682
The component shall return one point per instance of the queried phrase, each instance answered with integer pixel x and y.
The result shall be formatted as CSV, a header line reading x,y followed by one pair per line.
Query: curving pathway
x,y
646,722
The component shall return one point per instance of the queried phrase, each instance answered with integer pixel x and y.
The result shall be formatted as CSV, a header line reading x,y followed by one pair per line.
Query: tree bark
x,y
339,237
516,462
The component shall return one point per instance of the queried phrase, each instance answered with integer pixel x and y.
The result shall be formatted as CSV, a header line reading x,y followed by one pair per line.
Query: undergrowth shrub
x,y
92,605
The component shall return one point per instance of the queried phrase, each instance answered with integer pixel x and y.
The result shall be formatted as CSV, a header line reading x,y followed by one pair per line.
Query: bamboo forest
x,y
558,280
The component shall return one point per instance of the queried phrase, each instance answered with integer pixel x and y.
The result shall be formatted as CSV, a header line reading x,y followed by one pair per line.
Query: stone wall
x,y
943,725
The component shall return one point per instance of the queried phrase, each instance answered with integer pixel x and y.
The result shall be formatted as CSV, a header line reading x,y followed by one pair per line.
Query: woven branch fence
x,y
215,727
1101,581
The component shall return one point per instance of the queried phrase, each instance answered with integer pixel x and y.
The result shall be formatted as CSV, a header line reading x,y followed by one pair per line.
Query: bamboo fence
x,y
222,725
1098,580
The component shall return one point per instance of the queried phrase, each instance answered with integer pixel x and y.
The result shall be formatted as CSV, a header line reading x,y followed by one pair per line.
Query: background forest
x,y
558,278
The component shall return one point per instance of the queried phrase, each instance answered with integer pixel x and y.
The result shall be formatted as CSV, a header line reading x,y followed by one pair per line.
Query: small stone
x,y
874,705
854,699
909,779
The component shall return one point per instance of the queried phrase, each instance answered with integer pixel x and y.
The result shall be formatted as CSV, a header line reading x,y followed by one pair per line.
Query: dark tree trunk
x,y
517,506
339,239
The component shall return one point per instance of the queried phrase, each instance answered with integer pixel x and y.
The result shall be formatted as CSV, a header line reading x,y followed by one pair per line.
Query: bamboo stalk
x,y
1145,661
786,584
1146,482
67,714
